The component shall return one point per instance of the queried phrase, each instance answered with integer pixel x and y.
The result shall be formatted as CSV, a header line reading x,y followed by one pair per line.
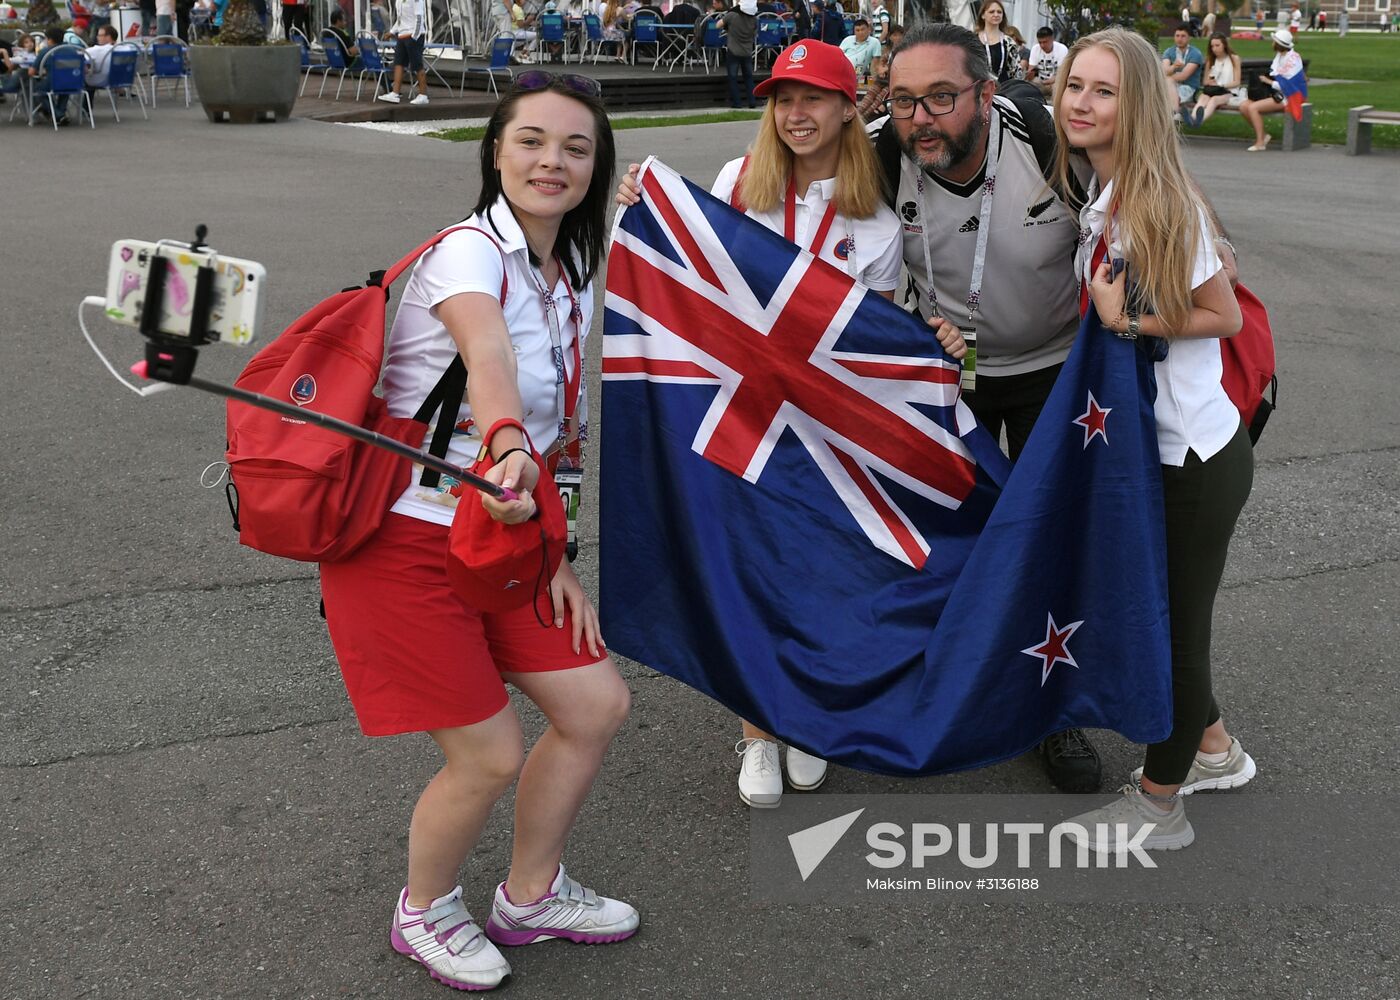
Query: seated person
x,y
1183,64
338,29
524,31
1046,57
682,13
862,48
99,59
39,72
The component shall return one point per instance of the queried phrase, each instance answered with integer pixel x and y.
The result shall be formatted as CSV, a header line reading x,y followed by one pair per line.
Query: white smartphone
x,y
235,307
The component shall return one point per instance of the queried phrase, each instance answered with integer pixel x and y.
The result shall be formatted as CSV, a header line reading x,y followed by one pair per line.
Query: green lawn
x,y
1372,58
660,121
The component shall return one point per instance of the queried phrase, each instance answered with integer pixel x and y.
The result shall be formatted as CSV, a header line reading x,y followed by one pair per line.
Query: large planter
x,y
246,83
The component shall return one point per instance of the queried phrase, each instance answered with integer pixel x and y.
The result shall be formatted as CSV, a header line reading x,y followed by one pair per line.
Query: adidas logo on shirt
x,y
970,226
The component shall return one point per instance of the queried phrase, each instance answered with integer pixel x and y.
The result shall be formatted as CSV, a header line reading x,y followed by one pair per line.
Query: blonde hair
x,y
859,180
1155,205
982,15
610,12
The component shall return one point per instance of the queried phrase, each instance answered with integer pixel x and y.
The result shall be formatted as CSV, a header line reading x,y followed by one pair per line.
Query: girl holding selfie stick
x,y
1114,107
510,297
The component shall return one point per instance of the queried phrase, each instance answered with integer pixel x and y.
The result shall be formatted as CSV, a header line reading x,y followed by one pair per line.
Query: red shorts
x,y
413,655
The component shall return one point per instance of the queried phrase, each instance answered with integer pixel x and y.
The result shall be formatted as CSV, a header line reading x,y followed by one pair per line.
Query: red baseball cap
x,y
816,63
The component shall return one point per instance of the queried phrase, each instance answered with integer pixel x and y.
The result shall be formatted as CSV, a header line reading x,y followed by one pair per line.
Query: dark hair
x,y
582,232
859,21
54,35
1045,31
110,30
953,36
337,16
1183,26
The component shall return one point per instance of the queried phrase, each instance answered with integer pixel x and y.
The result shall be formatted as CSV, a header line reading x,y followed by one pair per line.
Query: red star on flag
x,y
1055,648
1093,420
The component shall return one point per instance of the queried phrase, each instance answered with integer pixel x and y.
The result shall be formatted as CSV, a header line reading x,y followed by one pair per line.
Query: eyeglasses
x,y
538,79
940,102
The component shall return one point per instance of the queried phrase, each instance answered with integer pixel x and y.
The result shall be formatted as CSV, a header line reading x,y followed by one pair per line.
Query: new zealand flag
x,y
801,519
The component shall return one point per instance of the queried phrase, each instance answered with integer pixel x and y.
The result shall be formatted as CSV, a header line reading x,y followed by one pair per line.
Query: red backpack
x,y
1246,359
306,492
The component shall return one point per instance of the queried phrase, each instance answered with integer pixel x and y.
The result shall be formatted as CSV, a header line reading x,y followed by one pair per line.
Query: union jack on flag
x,y
800,518
880,423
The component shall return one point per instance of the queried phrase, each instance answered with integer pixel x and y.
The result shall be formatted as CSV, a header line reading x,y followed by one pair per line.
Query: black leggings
x,y
1203,502
1015,400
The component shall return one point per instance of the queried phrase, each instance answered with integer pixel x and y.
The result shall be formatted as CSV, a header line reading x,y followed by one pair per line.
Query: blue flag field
x,y
801,519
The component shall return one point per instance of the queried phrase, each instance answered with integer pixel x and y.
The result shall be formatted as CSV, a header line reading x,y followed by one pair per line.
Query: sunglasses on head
x,y
538,79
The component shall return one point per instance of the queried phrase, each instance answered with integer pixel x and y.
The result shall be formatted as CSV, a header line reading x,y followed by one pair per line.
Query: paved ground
x,y
190,812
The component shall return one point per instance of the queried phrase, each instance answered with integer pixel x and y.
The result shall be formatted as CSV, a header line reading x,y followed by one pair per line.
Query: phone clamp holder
x,y
172,359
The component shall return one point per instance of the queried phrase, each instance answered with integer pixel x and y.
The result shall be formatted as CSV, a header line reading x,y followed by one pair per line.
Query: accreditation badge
x,y
569,478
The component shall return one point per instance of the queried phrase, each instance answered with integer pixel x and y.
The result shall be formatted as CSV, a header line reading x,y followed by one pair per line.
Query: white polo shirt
x,y
876,256
1193,412
420,349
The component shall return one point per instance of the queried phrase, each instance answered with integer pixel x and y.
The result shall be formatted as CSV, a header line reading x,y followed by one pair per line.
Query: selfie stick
x,y
172,360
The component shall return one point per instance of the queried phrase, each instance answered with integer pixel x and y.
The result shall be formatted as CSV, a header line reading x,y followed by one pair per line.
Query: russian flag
x,y
1295,91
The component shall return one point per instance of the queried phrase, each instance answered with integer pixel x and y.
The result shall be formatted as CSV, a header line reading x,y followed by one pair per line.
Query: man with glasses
x,y
989,246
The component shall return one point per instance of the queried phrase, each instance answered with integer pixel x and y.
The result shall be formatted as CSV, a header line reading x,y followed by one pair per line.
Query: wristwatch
x,y
1134,324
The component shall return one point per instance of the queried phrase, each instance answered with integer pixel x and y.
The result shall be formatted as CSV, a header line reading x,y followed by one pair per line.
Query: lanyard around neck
x,y
984,225
823,229
566,389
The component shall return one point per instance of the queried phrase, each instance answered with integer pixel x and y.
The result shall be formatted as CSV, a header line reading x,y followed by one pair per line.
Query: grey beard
x,y
956,148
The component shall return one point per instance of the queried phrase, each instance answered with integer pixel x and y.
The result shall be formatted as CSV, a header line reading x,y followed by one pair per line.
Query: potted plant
x,y
240,75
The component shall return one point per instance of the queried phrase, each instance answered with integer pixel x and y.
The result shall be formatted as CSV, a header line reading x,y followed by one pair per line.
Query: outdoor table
x,y
675,43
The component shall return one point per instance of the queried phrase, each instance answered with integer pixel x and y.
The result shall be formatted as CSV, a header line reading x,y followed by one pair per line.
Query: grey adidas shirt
x,y
1029,308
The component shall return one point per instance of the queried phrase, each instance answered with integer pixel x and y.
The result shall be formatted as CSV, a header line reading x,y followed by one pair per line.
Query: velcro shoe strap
x,y
574,894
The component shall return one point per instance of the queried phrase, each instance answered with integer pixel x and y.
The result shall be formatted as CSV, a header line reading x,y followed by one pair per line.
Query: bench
x,y
1296,135
1359,122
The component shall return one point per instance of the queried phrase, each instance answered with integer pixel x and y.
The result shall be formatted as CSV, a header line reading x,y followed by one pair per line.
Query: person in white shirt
x,y
1173,293
511,297
1224,81
99,58
812,176
1046,56
861,48
1286,63
410,30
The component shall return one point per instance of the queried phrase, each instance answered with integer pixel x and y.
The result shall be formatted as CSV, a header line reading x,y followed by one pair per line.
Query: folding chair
x,y
592,38
371,62
65,76
307,63
552,31
769,38
169,61
644,33
335,61
712,41
500,62
121,74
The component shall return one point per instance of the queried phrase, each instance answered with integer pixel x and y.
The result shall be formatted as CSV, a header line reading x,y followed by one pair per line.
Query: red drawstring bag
x,y
494,566
1247,362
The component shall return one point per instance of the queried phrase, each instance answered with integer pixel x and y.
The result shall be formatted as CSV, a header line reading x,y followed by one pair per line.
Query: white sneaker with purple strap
x,y
568,910
446,940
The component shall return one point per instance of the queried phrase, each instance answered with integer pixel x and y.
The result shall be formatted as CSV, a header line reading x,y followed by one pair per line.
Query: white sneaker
x,y
1238,769
446,940
804,772
568,910
760,781
389,98
420,99
1109,829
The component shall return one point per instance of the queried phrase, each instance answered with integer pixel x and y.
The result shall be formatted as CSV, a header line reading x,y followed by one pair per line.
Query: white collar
x,y
501,221
825,188
1098,206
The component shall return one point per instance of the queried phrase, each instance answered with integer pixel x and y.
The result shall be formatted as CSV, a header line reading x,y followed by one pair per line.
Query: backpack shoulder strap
x,y
446,396
888,152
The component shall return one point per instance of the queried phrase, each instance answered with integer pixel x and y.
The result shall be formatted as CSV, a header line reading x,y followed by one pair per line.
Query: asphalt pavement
x,y
191,812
